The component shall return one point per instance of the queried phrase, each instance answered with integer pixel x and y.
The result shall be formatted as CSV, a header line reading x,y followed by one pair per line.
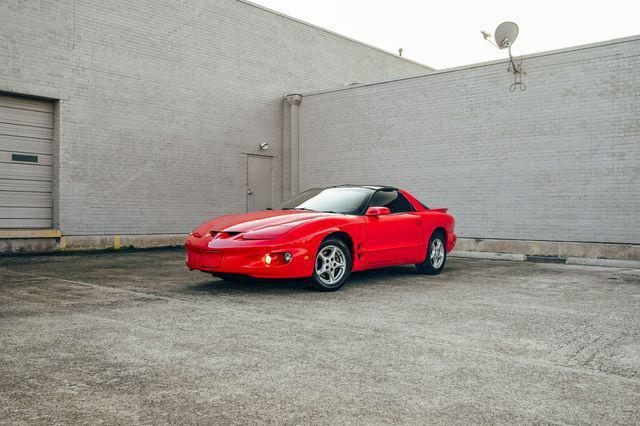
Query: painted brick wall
x,y
161,99
559,161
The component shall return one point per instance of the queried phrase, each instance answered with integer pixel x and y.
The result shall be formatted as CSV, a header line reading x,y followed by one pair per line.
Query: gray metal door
x,y
259,190
26,162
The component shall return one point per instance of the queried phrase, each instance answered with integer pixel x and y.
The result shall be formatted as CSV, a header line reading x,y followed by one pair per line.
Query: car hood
x,y
262,220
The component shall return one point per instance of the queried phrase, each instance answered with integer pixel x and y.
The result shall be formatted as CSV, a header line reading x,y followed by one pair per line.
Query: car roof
x,y
373,187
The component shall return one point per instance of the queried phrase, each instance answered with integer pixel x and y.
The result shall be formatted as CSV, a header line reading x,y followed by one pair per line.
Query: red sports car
x,y
325,234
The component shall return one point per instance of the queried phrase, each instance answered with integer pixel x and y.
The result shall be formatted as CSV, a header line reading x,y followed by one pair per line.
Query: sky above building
x,y
447,34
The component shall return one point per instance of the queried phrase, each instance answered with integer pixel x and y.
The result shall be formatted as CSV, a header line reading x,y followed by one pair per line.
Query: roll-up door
x,y
26,162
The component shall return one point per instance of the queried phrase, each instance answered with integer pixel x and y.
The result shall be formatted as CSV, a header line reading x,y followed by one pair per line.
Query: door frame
x,y
53,230
246,195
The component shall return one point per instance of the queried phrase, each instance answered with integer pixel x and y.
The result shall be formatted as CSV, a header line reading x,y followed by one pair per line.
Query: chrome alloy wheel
x,y
331,265
436,256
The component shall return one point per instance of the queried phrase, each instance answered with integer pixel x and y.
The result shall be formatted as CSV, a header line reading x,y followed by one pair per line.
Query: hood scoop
x,y
221,235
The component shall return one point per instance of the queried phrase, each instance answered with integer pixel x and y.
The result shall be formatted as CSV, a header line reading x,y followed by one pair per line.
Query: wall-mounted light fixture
x,y
264,146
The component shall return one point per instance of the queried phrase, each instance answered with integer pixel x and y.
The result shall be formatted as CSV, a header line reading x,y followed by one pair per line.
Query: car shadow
x,y
371,276
254,285
249,285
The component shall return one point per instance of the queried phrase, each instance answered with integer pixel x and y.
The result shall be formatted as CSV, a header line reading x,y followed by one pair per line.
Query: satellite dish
x,y
505,34
503,37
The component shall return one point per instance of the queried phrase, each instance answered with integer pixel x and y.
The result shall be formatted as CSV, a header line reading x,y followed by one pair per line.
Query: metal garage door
x,y
26,134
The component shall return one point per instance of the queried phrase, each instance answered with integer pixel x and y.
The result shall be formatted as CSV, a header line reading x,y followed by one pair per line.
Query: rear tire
x,y
332,266
436,256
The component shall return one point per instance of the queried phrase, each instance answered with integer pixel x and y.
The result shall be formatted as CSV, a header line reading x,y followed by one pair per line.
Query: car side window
x,y
393,200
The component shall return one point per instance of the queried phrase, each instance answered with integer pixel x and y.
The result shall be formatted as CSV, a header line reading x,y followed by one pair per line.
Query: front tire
x,y
332,265
436,256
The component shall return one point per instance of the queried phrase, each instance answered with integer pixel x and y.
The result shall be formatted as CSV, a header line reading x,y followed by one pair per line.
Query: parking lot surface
x,y
135,337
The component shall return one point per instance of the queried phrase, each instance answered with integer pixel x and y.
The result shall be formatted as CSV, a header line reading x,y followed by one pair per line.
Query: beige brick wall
x,y
559,161
161,99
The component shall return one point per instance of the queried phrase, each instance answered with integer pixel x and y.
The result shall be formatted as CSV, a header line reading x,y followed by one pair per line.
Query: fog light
x,y
267,259
287,257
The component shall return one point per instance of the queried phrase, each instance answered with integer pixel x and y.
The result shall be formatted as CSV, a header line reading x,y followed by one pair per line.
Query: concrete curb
x,y
603,262
515,257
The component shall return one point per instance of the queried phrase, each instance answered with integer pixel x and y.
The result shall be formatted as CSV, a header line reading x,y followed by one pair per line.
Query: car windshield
x,y
346,200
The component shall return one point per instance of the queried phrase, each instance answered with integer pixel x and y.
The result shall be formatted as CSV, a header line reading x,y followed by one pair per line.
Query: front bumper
x,y
250,259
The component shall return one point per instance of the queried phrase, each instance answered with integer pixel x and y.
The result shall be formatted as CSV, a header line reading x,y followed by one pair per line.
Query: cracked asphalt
x,y
134,337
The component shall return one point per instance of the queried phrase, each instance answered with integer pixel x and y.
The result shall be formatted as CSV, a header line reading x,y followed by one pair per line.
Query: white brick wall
x,y
161,99
558,162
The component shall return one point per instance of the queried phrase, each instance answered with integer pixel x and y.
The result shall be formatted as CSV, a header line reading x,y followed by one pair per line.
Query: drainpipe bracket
x,y
294,99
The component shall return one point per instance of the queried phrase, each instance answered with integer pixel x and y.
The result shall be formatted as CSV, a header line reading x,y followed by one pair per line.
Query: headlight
x,y
275,259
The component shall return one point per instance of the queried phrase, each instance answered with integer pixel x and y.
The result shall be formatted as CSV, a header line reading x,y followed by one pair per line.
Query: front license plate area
x,y
210,259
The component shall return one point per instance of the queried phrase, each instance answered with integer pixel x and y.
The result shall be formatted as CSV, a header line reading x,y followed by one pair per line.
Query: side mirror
x,y
377,211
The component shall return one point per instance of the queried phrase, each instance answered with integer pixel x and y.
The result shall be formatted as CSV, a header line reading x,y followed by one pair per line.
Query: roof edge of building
x,y
333,33
485,64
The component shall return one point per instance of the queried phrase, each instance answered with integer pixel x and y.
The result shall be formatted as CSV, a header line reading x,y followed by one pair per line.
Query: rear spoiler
x,y
440,210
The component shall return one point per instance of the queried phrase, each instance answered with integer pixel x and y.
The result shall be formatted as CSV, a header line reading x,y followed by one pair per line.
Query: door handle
x,y
419,221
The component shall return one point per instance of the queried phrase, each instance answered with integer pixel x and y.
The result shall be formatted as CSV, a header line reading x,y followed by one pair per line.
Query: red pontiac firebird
x,y
325,234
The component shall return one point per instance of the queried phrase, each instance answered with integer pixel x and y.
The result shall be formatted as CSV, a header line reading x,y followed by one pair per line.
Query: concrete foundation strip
x,y
519,257
515,257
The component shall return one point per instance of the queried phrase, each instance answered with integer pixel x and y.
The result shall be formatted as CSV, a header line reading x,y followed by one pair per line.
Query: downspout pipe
x,y
294,102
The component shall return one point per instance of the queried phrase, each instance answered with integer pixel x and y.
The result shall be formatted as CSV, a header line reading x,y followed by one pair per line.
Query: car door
x,y
394,238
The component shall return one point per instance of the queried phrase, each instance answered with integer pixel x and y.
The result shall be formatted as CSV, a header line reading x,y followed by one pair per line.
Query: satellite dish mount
x,y
503,38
